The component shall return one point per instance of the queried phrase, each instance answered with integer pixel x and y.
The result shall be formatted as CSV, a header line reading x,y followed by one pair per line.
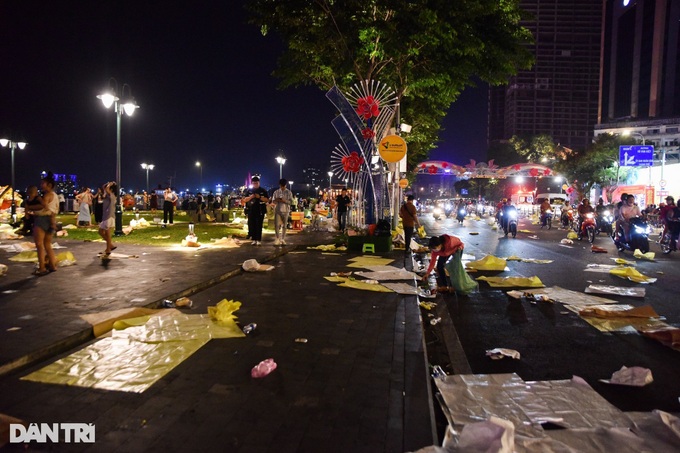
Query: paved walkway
x,y
360,383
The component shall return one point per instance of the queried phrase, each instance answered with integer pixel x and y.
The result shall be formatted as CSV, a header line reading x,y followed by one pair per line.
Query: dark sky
x,y
201,76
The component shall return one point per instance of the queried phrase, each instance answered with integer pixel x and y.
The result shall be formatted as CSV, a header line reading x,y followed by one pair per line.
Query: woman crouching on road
x,y
44,227
444,247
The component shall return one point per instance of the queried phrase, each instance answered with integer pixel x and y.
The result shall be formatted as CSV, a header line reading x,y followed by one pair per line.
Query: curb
x,y
82,337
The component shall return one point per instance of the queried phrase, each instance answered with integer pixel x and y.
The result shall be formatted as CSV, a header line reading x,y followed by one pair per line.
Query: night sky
x,y
201,77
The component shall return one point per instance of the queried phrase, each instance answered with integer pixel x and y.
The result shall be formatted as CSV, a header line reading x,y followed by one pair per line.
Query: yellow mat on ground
x,y
367,261
513,282
103,322
32,257
358,284
632,274
133,359
488,263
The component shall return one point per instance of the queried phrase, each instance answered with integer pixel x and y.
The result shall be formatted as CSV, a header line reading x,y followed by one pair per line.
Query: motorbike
x,y
509,224
437,213
567,217
546,218
587,228
639,236
669,240
461,215
604,222
448,210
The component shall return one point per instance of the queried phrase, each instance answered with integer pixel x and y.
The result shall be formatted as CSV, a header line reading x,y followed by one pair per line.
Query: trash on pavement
x,y
647,256
634,376
566,241
513,282
249,328
328,248
389,273
435,321
263,368
572,235
632,274
428,305
616,290
362,284
488,263
190,241
3,269
492,435
614,311
666,335
223,312
499,353
571,298
624,262
341,274
252,265
596,249
424,293
527,260
365,261
301,340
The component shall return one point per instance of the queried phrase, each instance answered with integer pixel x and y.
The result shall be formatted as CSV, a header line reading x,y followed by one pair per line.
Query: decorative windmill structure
x,y
365,115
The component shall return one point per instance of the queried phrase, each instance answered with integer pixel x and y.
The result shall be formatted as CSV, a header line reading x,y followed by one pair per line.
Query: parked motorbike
x,y
587,228
639,236
669,240
461,215
546,219
604,222
437,213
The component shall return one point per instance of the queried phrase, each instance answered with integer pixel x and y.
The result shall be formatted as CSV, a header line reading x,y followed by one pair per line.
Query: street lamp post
x,y
147,167
128,105
281,160
12,145
330,182
200,167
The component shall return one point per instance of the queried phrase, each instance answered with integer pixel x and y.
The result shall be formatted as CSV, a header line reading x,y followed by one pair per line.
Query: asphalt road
x,y
555,343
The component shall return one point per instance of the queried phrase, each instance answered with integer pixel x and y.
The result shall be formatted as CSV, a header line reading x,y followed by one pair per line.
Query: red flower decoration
x,y
367,133
533,172
445,164
367,107
352,163
432,170
423,166
547,172
516,167
569,190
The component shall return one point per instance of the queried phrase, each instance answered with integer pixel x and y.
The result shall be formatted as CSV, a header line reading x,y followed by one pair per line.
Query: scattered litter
x,y
624,262
533,237
527,260
223,312
328,248
253,266
659,272
565,312
165,279
389,273
499,353
596,249
341,274
616,290
10,291
427,305
249,328
263,368
647,256
566,242
435,321
634,376
26,317
513,282
301,340
160,237
473,233
572,235
494,434
438,372
426,293
3,269
524,231
632,274
13,329
488,263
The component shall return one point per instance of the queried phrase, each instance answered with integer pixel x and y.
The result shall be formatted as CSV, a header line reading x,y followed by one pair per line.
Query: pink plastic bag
x,y
263,368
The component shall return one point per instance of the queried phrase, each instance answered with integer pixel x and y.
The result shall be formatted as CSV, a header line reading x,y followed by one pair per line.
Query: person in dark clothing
x,y
409,219
31,203
342,203
256,202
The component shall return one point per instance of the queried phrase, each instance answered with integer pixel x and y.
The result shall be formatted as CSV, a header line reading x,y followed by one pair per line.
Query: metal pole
x,y
119,209
147,180
13,211
280,171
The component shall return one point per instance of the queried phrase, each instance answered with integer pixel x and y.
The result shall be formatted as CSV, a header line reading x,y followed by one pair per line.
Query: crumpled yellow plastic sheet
x,y
365,261
572,235
32,257
328,248
133,359
632,274
513,282
358,284
488,263
223,312
639,255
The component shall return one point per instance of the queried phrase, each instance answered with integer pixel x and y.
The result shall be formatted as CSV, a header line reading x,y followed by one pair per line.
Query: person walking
x,y
283,198
409,219
169,199
44,226
342,204
108,215
256,202
85,200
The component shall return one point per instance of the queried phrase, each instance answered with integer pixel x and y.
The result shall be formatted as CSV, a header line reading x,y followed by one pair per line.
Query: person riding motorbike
x,y
627,212
506,210
545,206
583,209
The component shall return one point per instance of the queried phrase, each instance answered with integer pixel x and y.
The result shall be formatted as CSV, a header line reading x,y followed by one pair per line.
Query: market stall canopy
x,y
482,169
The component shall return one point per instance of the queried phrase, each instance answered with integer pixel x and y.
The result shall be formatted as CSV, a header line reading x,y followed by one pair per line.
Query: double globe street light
x,y
147,167
128,105
12,145
281,160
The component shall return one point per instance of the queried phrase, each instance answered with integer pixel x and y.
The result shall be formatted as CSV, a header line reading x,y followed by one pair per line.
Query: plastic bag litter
x,y
263,368
223,312
566,241
493,435
488,263
3,269
253,266
460,279
639,255
632,274
572,235
634,376
499,353
513,282
421,232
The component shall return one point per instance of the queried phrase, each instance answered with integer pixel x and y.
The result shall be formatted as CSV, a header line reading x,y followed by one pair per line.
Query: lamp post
x,y
147,167
330,182
12,145
200,167
281,160
109,98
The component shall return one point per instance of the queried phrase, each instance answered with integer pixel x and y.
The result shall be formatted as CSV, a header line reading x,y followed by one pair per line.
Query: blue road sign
x,y
636,155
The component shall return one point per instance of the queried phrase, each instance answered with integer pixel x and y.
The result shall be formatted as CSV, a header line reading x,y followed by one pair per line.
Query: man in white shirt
x,y
282,198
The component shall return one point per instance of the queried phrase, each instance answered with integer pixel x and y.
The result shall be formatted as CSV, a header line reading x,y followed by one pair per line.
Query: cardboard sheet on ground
x,y
615,322
328,248
569,297
394,273
358,284
133,359
402,288
513,282
102,322
666,335
616,290
488,263
632,274
367,261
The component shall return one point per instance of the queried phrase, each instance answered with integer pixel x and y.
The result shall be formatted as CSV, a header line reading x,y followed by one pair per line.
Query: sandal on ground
x,y
39,273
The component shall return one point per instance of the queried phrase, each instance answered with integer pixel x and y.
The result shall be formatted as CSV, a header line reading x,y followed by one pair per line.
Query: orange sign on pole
x,y
392,148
